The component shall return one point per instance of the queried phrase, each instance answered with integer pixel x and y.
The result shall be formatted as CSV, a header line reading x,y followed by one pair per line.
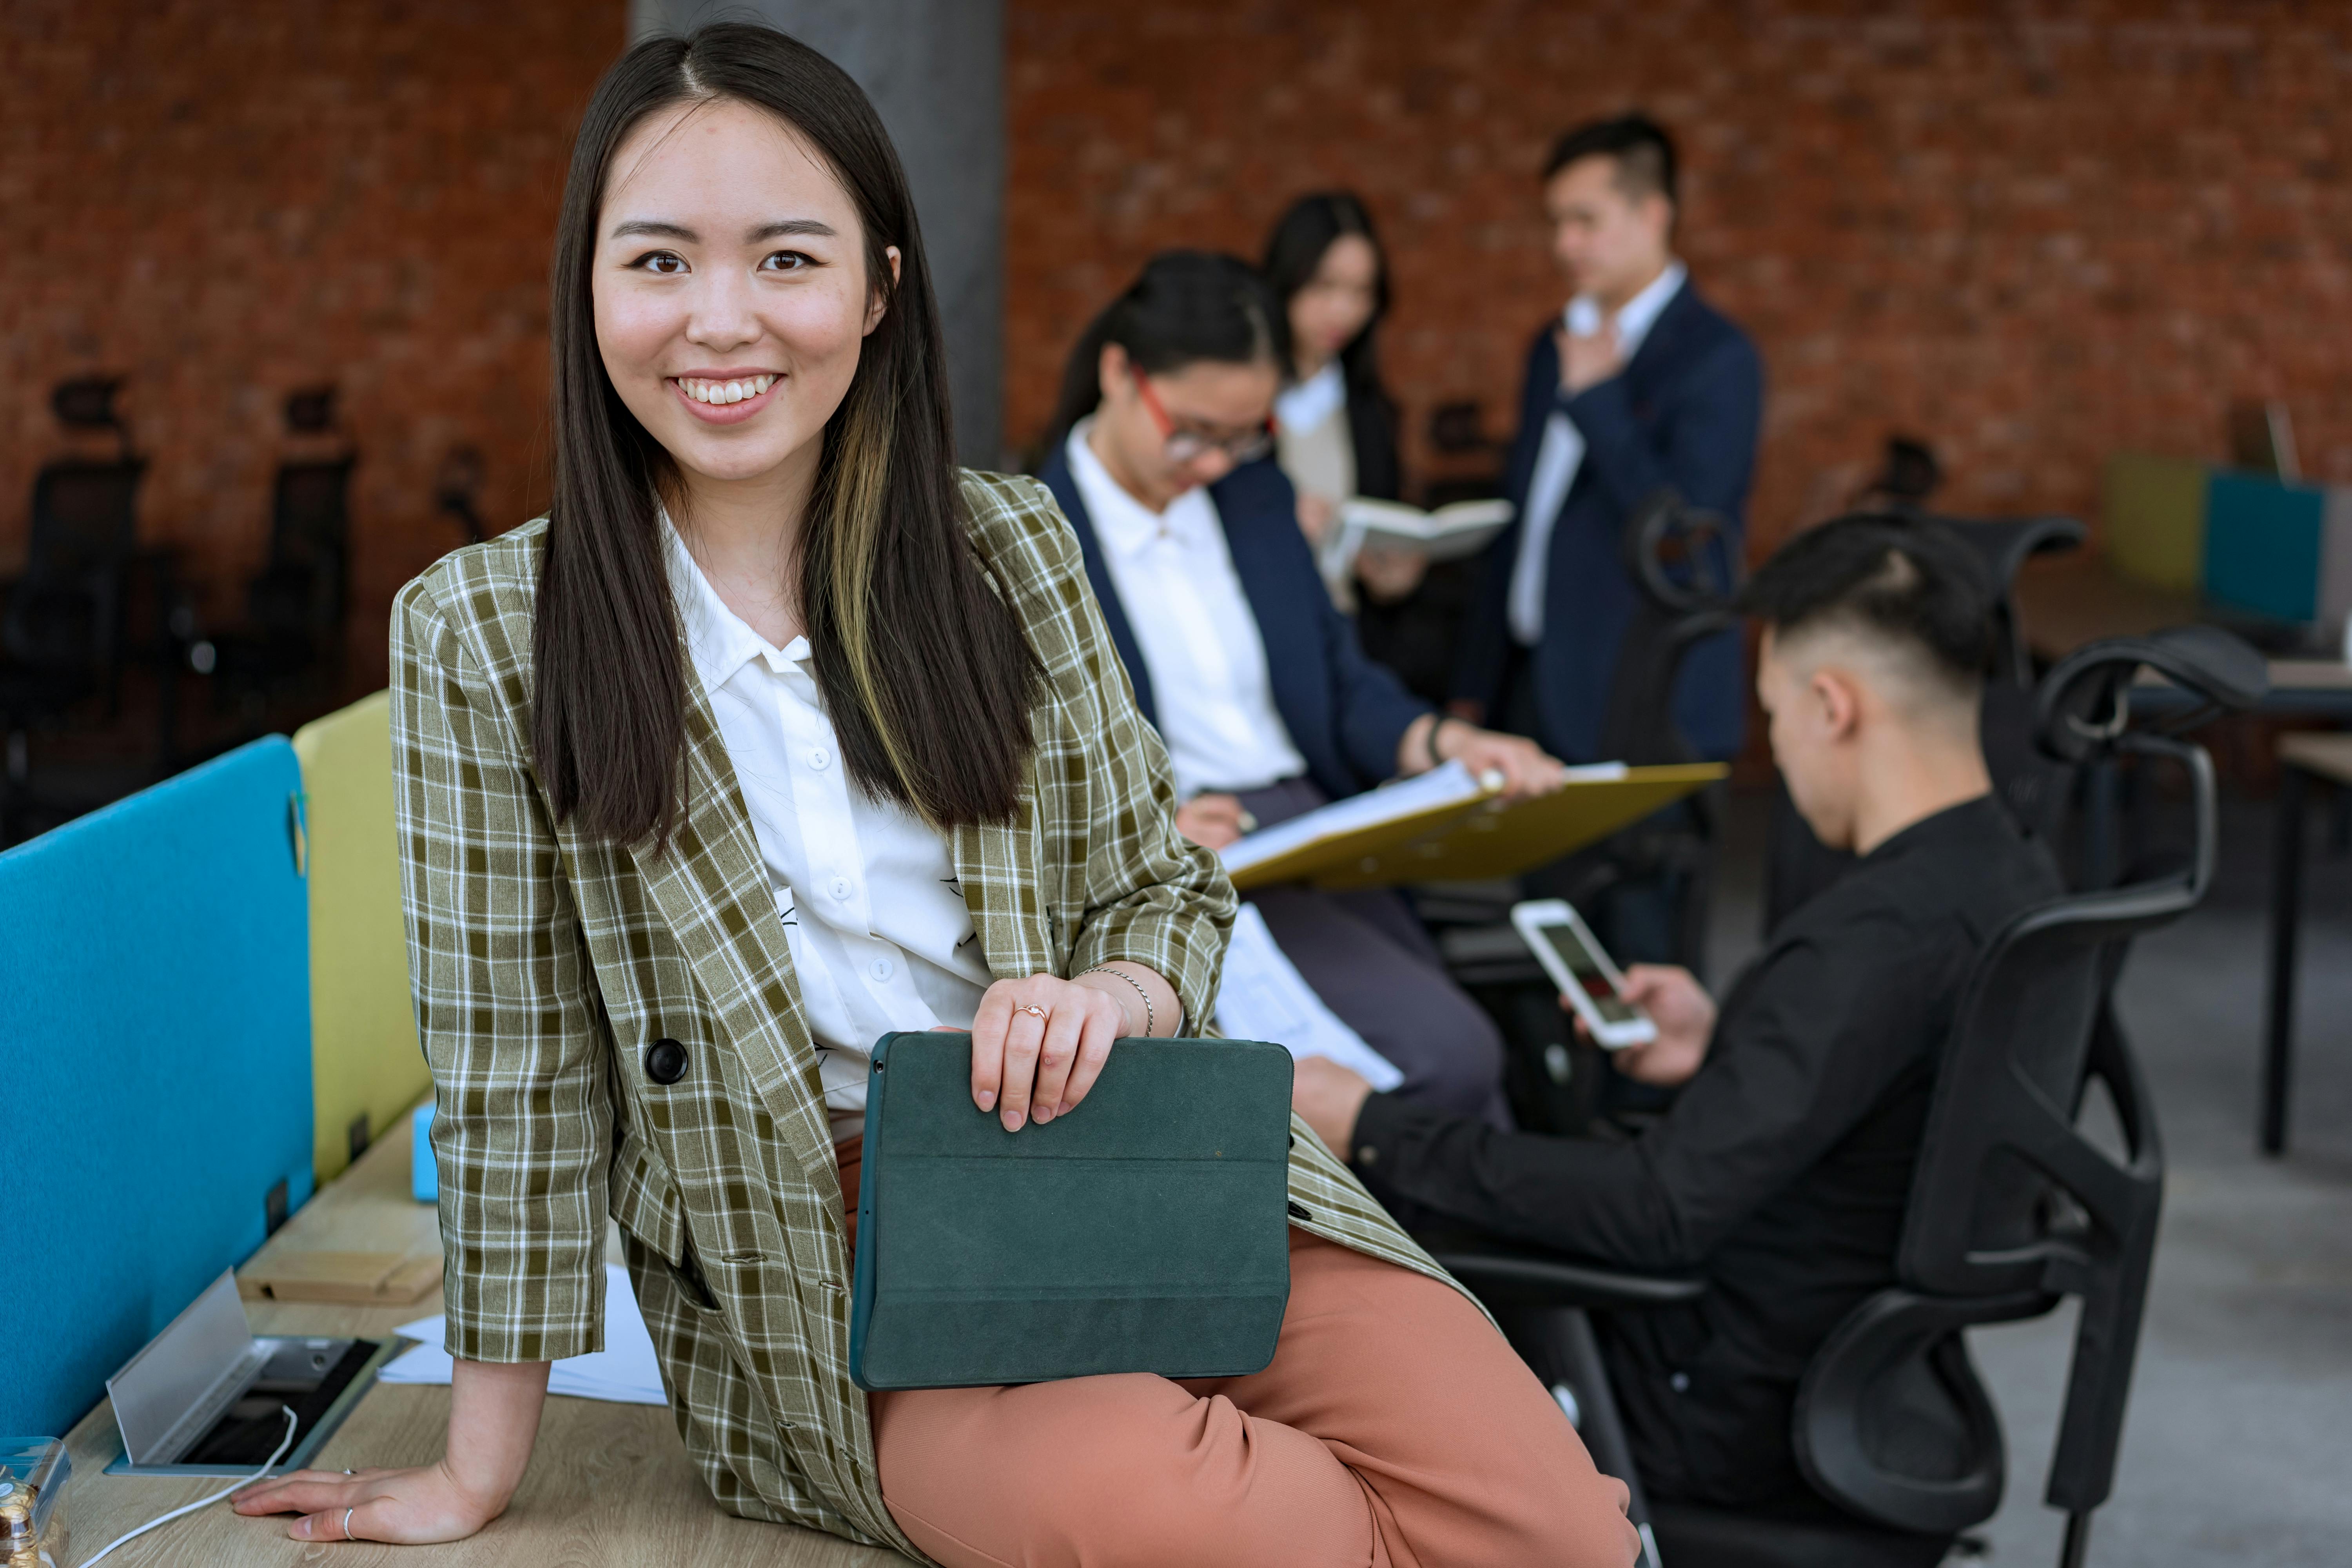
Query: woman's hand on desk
x,y
493,1422
1211,821
1038,1044
1527,768
410,1506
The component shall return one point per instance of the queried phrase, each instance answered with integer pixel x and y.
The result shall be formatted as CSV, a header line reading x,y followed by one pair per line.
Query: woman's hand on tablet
x,y
1038,1044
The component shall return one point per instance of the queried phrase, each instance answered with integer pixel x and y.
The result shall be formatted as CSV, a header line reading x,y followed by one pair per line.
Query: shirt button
x,y
1679,1383
839,887
880,968
820,758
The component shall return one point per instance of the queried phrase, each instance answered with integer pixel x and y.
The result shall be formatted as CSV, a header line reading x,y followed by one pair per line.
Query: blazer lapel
x,y
1056,477
712,889
1659,348
1290,631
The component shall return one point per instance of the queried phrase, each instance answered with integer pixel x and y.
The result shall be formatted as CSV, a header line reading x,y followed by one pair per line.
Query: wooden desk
x,y
2073,600
608,1483
2067,603
2301,757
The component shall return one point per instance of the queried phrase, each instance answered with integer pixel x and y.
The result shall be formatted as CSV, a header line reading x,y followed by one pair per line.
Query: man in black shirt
x,y
1781,1172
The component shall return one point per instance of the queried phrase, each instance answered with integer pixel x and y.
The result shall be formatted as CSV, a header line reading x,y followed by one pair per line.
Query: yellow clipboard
x,y
1467,840
1310,859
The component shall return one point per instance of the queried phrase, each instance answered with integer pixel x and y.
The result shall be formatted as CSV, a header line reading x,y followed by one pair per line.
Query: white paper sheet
x,y
1264,997
623,1372
1439,787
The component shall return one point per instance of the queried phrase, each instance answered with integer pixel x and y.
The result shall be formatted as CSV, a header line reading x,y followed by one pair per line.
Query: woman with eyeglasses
x,y
1255,681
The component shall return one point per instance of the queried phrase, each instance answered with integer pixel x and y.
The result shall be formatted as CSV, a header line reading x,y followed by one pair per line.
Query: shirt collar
x,y
717,639
1959,820
1640,313
1124,524
1308,403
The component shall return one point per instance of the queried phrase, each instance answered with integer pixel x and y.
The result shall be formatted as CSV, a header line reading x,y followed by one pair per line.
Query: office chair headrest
x,y
311,411
2084,704
1686,558
86,403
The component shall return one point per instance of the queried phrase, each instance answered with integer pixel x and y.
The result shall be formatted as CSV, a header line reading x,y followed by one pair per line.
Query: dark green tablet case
x,y
1145,1231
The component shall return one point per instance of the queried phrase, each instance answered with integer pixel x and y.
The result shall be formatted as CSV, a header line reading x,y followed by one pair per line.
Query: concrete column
x,y
935,70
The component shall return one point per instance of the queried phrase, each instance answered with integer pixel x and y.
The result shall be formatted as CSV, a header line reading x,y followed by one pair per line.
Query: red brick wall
x,y
2034,236
225,202
2034,232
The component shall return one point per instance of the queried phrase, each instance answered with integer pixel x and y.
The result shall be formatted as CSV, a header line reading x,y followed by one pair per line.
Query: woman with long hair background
x,y
1336,435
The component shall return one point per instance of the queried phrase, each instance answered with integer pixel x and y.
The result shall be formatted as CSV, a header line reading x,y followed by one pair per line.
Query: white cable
x,y
284,1444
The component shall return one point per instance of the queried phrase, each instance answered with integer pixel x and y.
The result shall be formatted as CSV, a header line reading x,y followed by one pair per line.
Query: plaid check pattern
x,y
544,963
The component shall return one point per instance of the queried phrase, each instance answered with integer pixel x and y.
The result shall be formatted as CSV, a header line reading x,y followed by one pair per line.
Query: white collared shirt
x,y
880,937
1194,628
1562,452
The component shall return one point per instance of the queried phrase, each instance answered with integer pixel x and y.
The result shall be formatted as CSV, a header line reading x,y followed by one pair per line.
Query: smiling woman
x,y
730,267
779,734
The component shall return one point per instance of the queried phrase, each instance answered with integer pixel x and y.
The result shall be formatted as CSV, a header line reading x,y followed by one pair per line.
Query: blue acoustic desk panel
x,y
155,1049
2263,544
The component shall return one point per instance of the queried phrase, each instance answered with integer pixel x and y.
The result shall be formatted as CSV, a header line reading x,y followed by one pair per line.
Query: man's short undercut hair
x,y
1909,588
1643,153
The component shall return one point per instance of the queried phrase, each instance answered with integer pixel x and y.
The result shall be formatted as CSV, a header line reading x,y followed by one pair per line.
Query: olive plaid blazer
x,y
545,962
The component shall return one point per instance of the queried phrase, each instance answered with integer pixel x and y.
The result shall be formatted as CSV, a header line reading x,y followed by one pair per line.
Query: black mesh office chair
x,y
296,605
61,623
2012,1208
457,487
2033,787
1689,567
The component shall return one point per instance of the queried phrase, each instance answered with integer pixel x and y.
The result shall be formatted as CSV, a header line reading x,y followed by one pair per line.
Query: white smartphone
x,y
1564,945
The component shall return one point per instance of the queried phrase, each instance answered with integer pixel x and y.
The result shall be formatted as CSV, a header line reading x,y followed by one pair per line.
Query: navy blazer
x,y
1684,412
1345,713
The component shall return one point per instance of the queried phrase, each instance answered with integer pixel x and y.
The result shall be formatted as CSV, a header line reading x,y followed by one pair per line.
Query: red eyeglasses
x,y
1186,446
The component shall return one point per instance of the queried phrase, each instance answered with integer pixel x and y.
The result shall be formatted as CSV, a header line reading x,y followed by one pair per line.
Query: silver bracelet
x,y
1150,1023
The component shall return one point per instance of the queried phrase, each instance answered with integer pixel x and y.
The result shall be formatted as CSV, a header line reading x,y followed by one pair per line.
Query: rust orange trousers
x,y
1394,1427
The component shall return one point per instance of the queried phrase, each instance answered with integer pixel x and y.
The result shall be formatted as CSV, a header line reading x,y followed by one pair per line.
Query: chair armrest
x,y
1498,1271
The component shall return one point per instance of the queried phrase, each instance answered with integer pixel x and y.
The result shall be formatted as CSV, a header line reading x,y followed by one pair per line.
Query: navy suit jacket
x,y
1684,413
1345,713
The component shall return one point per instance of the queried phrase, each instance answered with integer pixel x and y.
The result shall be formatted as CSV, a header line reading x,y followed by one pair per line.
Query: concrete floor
x,y
2238,1446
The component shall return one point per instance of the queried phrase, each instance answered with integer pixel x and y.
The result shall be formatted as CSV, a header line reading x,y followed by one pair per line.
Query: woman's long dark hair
x,y
1293,251
1186,306
923,669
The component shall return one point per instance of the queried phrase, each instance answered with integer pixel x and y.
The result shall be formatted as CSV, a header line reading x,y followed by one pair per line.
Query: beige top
x,y
1321,458
1318,451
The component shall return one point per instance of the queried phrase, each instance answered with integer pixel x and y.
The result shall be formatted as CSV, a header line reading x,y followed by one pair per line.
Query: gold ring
x,y
1033,1010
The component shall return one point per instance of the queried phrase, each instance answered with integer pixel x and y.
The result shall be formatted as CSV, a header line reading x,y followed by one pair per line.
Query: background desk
x,y
608,1483
2301,756
2065,604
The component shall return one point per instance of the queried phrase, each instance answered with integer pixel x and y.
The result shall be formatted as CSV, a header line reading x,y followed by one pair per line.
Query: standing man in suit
x,y
1641,384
